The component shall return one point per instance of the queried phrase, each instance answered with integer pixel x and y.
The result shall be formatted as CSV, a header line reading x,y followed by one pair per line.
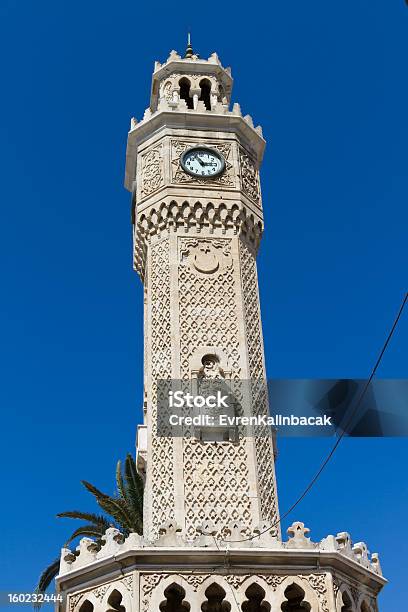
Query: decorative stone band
x,y
176,104
223,217
215,538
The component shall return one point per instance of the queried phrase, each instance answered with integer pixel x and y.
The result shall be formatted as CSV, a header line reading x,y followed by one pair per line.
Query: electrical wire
x,y
341,436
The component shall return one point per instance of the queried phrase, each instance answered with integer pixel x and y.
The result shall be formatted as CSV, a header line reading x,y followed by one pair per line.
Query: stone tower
x,y
211,541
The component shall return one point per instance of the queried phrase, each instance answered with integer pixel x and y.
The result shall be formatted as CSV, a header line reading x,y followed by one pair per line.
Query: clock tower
x,y
193,167
212,539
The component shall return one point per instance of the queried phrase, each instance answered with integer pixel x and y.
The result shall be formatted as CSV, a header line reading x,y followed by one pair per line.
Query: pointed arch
x,y
116,598
255,599
344,600
200,595
165,587
241,596
185,86
215,599
294,581
174,599
87,603
115,602
205,96
363,604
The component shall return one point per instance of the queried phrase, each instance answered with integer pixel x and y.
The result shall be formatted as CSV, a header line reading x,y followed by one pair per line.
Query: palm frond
x,y
126,512
119,480
118,509
92,489
48,576
134,493
90,531
96,519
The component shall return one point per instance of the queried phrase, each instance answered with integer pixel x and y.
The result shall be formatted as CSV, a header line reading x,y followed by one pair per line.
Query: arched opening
x,y
347,603
86,606
215,600
365,607
174,595
255,603
205,87
185,92
115,602
295,600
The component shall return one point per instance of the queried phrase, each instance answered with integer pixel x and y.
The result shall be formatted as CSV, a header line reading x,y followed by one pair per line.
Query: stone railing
x,y
178,104
209,536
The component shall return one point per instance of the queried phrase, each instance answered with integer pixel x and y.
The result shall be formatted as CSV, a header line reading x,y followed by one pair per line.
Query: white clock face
x,y
202,162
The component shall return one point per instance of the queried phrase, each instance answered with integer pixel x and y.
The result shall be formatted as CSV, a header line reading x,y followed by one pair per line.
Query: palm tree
x,y
124,511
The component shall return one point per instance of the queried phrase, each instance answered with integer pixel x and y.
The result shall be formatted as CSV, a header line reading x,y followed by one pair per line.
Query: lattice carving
x,y
259,400
215,475
152,170
249,177
162,463
226,179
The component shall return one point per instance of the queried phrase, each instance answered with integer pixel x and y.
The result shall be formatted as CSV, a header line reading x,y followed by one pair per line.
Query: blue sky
x,y
327,81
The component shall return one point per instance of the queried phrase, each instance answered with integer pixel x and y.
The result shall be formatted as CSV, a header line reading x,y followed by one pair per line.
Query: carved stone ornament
x,y
74,600
226,179
318,584
152,170
205,256
249,177
99,592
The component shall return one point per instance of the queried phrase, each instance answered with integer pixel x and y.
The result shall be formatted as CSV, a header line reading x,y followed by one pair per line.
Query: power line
x,y
339,439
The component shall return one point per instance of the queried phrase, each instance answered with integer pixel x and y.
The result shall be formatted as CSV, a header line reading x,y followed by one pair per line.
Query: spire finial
x,y
189,51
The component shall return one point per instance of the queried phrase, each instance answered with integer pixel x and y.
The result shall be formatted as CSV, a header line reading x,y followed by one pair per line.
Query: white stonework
x,y
212,539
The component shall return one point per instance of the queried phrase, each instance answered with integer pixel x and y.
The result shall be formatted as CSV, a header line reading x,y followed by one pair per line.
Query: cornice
x,y
228,122
184,217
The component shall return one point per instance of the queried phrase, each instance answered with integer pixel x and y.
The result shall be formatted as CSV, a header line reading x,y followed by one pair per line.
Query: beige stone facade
x,y
212,538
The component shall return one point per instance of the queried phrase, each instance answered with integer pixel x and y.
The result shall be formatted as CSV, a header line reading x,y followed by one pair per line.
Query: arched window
x,y
255,603
115,602
205,87
174,595
295,600
185,92
347,603
215,600
86,606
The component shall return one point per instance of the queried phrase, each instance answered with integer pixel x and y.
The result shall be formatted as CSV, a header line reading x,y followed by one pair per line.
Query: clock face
x,y
202,162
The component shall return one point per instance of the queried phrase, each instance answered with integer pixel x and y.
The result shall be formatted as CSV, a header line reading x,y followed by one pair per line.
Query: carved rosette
x,y
152,170
249,177
226,179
